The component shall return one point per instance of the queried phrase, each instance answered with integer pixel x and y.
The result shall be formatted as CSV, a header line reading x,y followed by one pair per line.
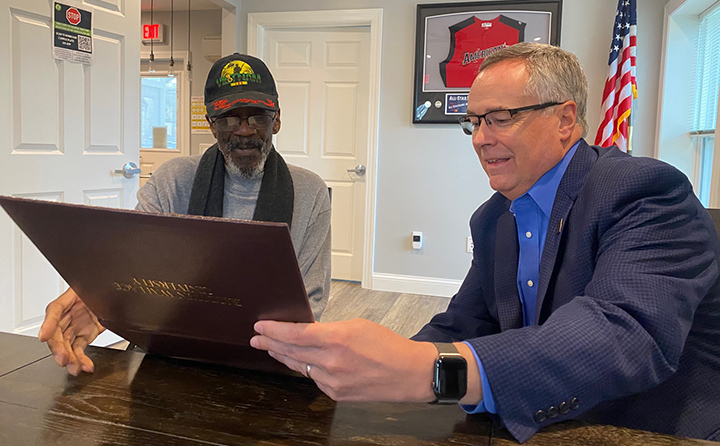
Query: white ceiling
x,y
178,5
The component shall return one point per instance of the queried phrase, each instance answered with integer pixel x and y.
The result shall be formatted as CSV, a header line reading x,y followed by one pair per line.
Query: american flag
x,y
621,84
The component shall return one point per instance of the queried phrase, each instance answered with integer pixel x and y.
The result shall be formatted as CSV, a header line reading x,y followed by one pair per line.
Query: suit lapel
x,y
506,265
567,192
558,218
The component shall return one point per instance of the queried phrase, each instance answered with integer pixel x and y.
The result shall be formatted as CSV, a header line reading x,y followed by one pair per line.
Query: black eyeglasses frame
x,y
272,117
511,111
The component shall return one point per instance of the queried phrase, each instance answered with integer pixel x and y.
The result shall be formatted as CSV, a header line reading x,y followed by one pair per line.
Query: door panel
x,y
28,31
295,108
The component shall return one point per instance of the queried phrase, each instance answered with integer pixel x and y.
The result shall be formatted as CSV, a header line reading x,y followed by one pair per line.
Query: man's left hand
x,y
355,360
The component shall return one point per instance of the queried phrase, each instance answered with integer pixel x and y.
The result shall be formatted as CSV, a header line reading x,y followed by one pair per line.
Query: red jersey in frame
x,y
471,41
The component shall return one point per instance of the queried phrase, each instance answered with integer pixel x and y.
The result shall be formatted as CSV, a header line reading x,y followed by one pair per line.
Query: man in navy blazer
x,y
593,292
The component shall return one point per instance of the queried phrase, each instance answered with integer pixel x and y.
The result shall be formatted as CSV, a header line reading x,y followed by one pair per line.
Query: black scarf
x,y
275,200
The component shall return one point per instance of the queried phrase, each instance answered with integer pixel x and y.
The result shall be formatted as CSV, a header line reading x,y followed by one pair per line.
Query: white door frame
x,y
261,22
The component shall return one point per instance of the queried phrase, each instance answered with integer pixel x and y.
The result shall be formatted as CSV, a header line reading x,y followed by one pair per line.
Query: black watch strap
x,y
449,374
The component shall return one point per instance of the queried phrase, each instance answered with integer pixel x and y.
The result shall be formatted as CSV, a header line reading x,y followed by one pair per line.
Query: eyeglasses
x,y
498,118
228,124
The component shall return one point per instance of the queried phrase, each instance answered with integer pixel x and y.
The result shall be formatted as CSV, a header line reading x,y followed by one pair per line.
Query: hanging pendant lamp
x,y
188,72
171,67
151,62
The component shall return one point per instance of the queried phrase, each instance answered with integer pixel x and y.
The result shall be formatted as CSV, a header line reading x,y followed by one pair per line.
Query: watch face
x,y
450,381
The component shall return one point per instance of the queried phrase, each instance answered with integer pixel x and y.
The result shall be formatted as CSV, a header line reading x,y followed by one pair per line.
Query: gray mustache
x,y
245,144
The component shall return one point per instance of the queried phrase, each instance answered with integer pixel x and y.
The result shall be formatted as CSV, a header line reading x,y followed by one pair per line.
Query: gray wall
x,y
429,178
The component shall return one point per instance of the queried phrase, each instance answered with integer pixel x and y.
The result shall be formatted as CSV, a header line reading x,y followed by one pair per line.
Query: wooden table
x,y
133,399
18,351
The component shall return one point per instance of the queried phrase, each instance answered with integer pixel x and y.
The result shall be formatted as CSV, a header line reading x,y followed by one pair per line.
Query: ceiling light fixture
x,y
188,72
171,68
151,62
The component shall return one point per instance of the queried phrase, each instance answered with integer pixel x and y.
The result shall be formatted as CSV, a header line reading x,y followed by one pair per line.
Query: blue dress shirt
x,y
532,213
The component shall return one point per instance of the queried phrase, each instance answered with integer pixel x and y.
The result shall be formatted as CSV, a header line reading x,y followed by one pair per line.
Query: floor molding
x,y
429,286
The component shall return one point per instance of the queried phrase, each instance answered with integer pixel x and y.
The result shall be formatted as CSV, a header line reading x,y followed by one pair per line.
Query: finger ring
x,y
307,370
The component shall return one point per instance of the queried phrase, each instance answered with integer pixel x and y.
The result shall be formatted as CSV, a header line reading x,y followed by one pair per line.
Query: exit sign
x,y
152,32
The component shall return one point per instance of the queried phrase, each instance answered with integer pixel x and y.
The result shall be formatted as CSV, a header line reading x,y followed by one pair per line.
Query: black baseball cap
x,y
237,81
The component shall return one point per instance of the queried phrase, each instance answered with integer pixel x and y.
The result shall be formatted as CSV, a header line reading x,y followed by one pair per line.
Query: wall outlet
x,y
469,244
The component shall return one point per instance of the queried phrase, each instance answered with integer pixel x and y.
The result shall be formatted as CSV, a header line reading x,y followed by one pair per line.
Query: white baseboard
x,y
430,286
104,339
31,330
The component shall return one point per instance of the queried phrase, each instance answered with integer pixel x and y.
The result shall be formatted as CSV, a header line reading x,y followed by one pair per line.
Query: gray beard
x,y
249,172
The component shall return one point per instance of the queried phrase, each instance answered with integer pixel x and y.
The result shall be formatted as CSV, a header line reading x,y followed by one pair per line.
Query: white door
x,y
323,84
65,129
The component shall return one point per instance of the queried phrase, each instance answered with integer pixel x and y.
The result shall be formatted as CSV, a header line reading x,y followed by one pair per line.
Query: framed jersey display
x,y
452,40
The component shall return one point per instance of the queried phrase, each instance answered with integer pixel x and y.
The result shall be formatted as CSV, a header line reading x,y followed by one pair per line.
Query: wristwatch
x,y
450,374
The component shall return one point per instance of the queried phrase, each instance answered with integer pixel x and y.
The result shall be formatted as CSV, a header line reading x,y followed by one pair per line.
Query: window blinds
x,y
708,80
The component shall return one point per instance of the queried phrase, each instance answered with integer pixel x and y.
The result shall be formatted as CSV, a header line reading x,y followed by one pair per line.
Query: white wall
x,y
429,179
204,23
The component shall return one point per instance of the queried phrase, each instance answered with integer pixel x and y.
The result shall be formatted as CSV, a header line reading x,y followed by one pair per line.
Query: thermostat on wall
x,y
417,240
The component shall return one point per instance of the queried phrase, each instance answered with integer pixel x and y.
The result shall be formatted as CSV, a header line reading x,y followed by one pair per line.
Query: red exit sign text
x,y
152,32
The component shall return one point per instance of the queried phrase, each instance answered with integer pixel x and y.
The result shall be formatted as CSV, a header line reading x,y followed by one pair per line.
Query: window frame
x,y
162,59
676,141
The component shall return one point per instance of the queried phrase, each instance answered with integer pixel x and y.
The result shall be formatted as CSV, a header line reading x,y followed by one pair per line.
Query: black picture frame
x,y
443,43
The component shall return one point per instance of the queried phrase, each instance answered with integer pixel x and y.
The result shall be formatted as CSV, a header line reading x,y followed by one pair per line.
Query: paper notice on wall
x,y
197,110
72,34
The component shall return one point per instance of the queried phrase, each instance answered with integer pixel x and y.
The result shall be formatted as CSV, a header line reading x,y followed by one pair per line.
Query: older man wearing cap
x,y
241,177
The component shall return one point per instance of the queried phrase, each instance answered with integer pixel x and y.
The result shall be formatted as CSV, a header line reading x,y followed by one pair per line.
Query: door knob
x,y
129,170
359,170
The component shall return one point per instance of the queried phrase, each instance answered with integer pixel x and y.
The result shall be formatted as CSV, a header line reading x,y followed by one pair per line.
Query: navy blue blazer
x,y
628,304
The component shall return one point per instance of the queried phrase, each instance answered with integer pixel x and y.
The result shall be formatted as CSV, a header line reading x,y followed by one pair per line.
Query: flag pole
x,y
630,134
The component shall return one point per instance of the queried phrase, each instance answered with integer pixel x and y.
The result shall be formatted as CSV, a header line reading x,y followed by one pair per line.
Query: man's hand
x,y
356,360
68,328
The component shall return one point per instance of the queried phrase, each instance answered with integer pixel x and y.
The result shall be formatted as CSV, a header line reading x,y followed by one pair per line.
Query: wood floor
x,y
403,313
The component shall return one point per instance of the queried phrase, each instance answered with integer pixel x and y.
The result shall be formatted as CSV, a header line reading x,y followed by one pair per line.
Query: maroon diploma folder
x,y
177,285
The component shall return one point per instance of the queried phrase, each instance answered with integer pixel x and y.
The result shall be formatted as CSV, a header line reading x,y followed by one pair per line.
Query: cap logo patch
x,y
237,73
